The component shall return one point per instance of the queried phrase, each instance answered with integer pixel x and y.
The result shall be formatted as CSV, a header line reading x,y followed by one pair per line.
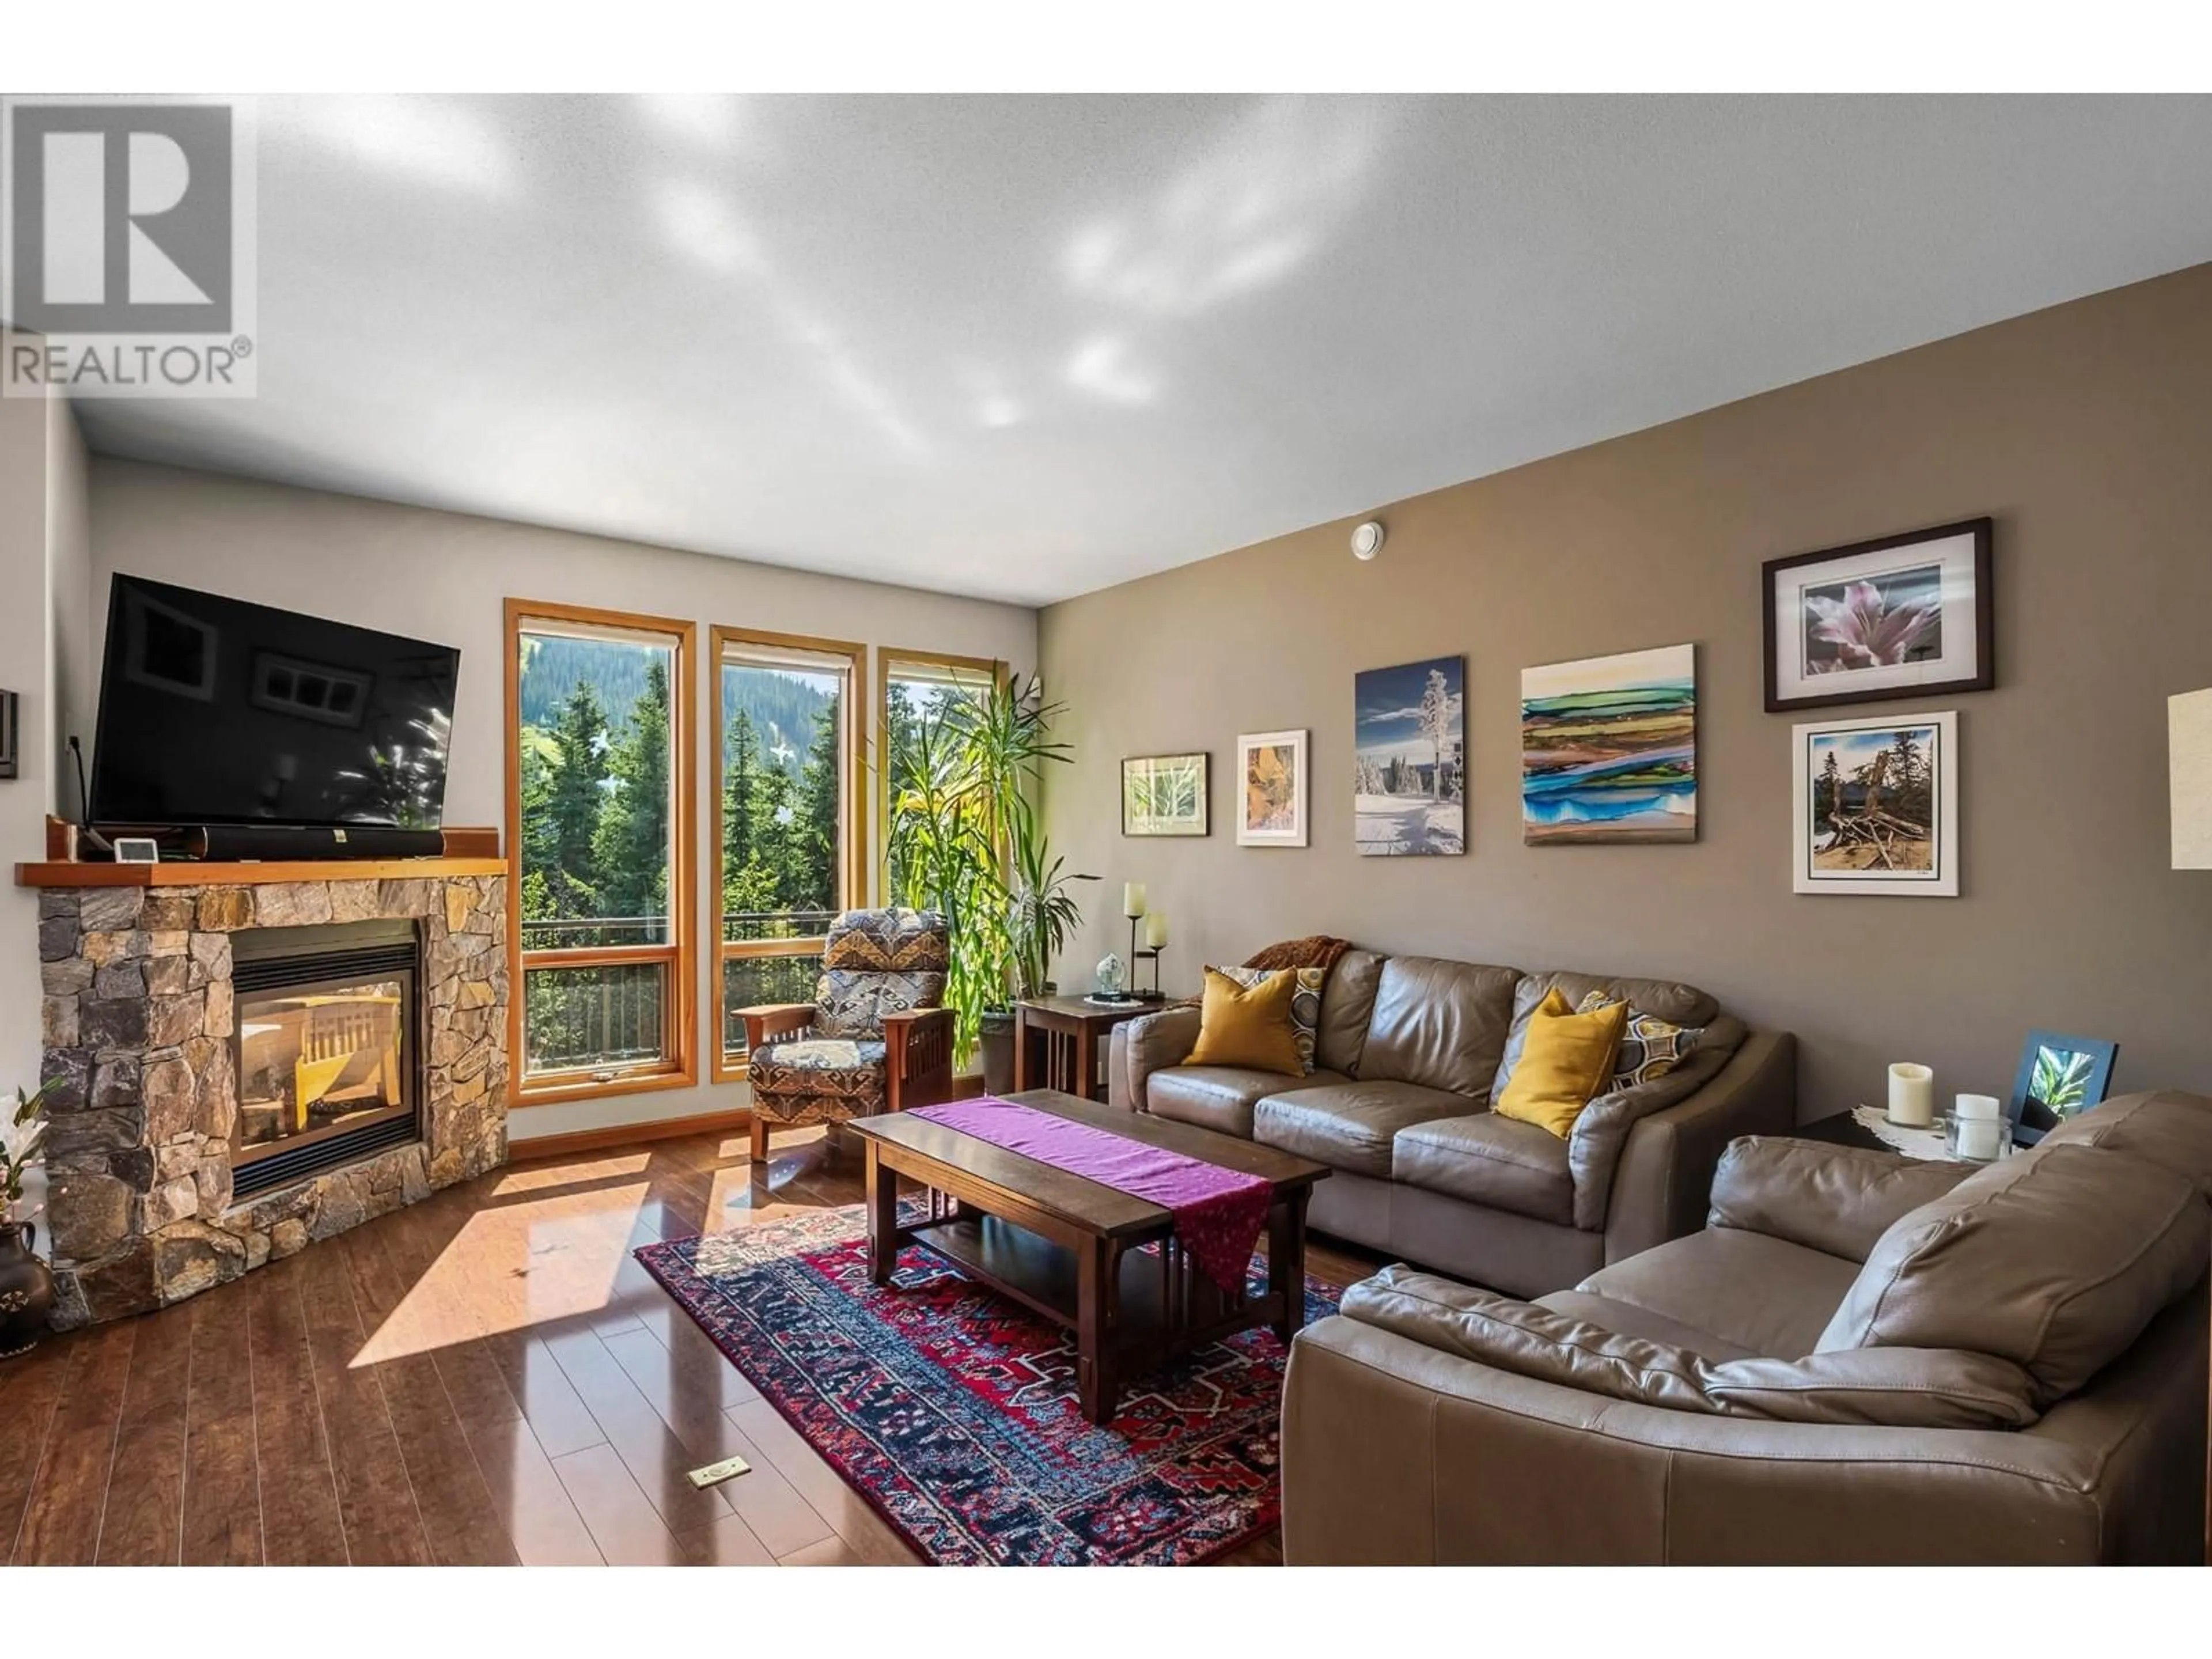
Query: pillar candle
x,y
1155,930
1133,899
1978,1129
1912,1096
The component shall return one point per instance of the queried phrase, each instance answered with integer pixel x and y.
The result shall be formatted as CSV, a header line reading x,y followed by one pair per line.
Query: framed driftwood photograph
x,y
1907,615
1165,794
1877,807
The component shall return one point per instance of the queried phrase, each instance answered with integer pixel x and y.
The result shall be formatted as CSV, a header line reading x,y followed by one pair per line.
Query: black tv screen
x,y
215,711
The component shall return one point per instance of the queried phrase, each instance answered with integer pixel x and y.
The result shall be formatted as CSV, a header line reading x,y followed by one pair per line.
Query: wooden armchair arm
x,y
918,1052
769,1020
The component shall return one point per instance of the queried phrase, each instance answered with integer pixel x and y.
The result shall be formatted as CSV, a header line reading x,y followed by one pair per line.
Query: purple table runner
x,y
1218,1213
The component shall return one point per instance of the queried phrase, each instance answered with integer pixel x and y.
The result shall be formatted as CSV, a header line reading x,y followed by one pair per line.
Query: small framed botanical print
x,y
1164,795
1906,615
1271,789
1877,806
2060,1077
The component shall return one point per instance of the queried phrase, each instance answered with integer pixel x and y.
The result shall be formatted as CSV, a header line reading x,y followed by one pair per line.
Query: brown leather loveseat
x,y
1862,1359
1408,1050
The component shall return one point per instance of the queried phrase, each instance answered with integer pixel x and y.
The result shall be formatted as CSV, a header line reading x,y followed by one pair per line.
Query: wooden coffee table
x,y
1067,1247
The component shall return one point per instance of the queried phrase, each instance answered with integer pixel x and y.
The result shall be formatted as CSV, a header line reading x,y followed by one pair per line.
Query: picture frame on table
x,y
1166,794
1274,787
1874,809
1906,616
2060,1077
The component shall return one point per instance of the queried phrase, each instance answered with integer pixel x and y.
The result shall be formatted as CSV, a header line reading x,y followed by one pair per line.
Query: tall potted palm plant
x,y
965,841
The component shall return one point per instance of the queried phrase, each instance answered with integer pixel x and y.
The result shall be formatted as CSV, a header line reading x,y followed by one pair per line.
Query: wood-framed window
x,y
602,806
911,681
790,844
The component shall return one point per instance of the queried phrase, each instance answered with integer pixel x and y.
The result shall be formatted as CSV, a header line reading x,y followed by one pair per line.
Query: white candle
x,y
1133,899
1980,1128
1912,1096
1156,929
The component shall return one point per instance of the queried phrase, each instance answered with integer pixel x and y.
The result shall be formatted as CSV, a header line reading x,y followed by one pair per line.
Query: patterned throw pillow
x,y
1650,1049
1306,1005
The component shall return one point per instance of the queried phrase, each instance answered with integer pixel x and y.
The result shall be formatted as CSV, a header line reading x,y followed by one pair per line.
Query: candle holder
x,y
1149,954
1133,906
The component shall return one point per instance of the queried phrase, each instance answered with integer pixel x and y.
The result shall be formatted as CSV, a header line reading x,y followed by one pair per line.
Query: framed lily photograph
x,y
1271,789
1164,795
1904,616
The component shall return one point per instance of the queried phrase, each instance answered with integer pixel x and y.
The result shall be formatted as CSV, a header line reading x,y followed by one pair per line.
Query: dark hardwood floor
x,y
486,1377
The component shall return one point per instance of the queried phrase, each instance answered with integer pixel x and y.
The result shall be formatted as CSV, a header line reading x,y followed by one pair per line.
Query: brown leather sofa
x,y
1860,1359
1408,1050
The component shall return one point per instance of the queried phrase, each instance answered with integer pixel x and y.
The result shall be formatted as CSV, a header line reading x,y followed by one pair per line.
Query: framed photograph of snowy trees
x,y
1906,616
1877,806
1164,795
1409,758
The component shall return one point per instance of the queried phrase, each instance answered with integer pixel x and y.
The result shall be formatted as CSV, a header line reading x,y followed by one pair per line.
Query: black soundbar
x,y
232,843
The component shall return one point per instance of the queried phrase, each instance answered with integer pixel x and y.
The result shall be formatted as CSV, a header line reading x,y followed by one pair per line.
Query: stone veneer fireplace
x,y
142,994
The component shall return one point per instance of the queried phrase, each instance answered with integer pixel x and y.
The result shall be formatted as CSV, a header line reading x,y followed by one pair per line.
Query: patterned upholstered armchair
x,y
876,1038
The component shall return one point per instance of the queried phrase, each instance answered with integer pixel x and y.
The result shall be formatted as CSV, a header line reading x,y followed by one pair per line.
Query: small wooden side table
x,y
1058,1040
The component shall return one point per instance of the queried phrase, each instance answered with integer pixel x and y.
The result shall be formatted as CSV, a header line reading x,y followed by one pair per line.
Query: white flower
x,y
21,1140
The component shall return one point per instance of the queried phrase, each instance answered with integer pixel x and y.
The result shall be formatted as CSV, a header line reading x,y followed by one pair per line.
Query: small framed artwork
x,y
1409,758
1271,789
2060,1077
1164,795
1876,807
1906,616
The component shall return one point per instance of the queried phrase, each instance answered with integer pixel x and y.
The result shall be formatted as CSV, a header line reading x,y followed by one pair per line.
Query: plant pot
x,y
998,1046
26,1291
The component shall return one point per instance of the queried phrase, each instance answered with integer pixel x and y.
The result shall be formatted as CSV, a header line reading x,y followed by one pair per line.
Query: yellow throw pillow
x,y
1249,1025
1565,1063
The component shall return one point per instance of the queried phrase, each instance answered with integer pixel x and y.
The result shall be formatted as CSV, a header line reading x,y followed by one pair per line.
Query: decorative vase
x,y
997,1042
27,1290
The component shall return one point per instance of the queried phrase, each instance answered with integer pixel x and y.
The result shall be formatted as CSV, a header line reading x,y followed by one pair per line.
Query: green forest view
x,y
596,796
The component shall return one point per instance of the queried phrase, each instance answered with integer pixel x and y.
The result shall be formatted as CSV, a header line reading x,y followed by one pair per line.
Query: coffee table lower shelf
x,y
1088,1257
1164,1306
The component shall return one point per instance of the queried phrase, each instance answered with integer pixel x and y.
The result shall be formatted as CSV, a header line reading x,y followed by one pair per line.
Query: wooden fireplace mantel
x,y
477,854
251,874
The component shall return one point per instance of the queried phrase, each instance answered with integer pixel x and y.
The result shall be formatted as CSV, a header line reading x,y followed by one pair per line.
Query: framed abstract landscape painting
x,y
1609,749
1906,616
1409,758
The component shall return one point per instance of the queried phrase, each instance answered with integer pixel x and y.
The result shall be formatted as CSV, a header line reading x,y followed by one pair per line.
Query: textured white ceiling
x,y
1025,347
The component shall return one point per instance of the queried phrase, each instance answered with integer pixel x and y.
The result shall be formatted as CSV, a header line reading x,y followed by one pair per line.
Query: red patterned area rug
x,y
953,1410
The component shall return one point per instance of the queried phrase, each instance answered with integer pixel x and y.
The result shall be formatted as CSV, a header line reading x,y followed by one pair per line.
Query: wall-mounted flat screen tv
x,y
215,711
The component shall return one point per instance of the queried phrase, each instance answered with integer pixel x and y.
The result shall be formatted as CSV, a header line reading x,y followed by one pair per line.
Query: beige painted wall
x,y
443,576
2085,431
44,565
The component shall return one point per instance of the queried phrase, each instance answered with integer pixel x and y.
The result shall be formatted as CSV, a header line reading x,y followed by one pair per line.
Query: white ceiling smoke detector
x,y
1367,540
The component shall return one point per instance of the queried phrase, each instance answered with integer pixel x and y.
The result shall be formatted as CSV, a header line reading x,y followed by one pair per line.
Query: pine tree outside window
x,y
788,851
601,709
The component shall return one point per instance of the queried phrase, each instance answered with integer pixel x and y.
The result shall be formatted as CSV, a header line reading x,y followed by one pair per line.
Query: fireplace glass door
x,y
325,1046
321,1059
